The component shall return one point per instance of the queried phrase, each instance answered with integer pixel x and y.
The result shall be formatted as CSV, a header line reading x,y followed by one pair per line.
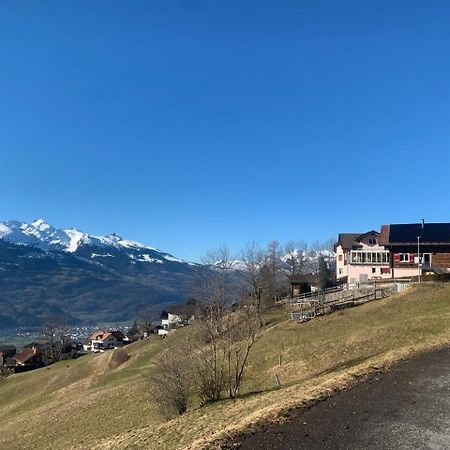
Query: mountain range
x,y
90,278
94,279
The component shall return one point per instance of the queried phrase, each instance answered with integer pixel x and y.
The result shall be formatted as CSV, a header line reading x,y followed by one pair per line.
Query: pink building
x,y
400,251
360,257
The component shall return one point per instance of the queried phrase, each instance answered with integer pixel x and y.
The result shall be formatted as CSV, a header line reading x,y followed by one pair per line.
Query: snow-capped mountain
x,y
41,235
89,278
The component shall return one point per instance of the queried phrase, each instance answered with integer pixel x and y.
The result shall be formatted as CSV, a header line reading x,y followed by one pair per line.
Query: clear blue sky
x,y
189,123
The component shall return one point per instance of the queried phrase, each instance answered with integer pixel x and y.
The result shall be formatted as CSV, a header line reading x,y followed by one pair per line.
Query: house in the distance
x,y
169,320
361,257
28,357
406,242
103,340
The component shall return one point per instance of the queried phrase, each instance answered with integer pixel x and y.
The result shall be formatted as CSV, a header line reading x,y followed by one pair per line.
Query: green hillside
x,y
85,404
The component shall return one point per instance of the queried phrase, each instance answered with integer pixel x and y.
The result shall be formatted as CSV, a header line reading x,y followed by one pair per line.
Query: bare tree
x,y
273,270
147,317
253,258
54,329
215,296
170,383
242,331
294,258
223,337
328,244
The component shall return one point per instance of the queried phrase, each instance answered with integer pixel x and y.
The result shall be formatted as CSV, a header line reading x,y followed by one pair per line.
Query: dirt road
x,y
407,408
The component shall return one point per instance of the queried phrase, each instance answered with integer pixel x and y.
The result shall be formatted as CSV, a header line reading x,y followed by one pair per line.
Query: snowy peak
x,y
42,235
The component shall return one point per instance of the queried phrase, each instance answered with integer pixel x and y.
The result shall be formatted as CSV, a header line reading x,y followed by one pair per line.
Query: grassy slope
x,y
85,404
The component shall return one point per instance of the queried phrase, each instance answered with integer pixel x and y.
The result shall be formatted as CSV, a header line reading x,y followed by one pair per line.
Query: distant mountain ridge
x,y
41,235
91,278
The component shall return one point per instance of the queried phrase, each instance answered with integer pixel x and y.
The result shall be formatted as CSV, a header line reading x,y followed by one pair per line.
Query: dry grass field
x,y
86,404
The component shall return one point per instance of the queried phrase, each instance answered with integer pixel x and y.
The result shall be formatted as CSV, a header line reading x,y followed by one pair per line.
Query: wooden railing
x,y
320,305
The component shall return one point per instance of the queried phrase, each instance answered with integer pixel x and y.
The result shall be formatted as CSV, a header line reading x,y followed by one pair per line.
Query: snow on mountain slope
x,y
41,235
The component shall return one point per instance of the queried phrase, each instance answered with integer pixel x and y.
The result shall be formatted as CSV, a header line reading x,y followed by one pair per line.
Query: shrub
x,y
118,357
170,385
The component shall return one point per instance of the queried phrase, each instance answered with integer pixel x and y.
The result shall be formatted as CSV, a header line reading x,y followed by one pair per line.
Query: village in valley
x,y
62,345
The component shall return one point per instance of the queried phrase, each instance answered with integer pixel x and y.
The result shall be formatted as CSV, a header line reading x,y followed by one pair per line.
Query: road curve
x,y
406,408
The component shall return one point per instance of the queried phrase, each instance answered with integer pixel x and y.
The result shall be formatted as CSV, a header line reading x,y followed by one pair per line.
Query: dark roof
x,y
303,278
430,233
371,233
347,240
119,335
351,240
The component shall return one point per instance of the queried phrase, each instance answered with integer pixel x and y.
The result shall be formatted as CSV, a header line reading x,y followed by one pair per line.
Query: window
x,y
385,270
340,271
374,269
404,257
363,257
340,257
372,241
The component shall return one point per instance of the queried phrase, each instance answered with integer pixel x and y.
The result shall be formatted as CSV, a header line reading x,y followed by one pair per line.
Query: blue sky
x,y
185,124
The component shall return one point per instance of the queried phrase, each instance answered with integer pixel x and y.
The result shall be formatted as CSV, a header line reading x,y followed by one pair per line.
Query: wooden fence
x,y
325,303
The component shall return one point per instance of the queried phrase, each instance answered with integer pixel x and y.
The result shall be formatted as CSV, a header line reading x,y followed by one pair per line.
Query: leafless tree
x,y
273,270
209,353
222,337
170,383
294,258
54,329
147,317
242,331
254,259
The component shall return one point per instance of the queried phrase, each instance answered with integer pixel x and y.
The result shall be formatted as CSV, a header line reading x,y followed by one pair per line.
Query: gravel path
x,y
406,408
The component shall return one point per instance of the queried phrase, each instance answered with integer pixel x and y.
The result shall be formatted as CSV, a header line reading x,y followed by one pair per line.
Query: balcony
x,y
369,258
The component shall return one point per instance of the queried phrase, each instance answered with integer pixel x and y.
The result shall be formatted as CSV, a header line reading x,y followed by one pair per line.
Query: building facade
x,y
399,251
360,257
417,246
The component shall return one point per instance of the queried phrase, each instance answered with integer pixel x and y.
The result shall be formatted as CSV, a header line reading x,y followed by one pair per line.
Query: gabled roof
x,y
303,278
349,240
371,233
406,234
96,335
346,240
102,335
24,356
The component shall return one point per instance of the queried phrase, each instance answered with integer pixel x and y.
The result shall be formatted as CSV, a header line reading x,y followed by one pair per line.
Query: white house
x,y
169,320
103,340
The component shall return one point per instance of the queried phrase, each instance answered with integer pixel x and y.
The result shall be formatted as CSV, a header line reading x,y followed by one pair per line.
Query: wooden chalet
x,y
427,244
